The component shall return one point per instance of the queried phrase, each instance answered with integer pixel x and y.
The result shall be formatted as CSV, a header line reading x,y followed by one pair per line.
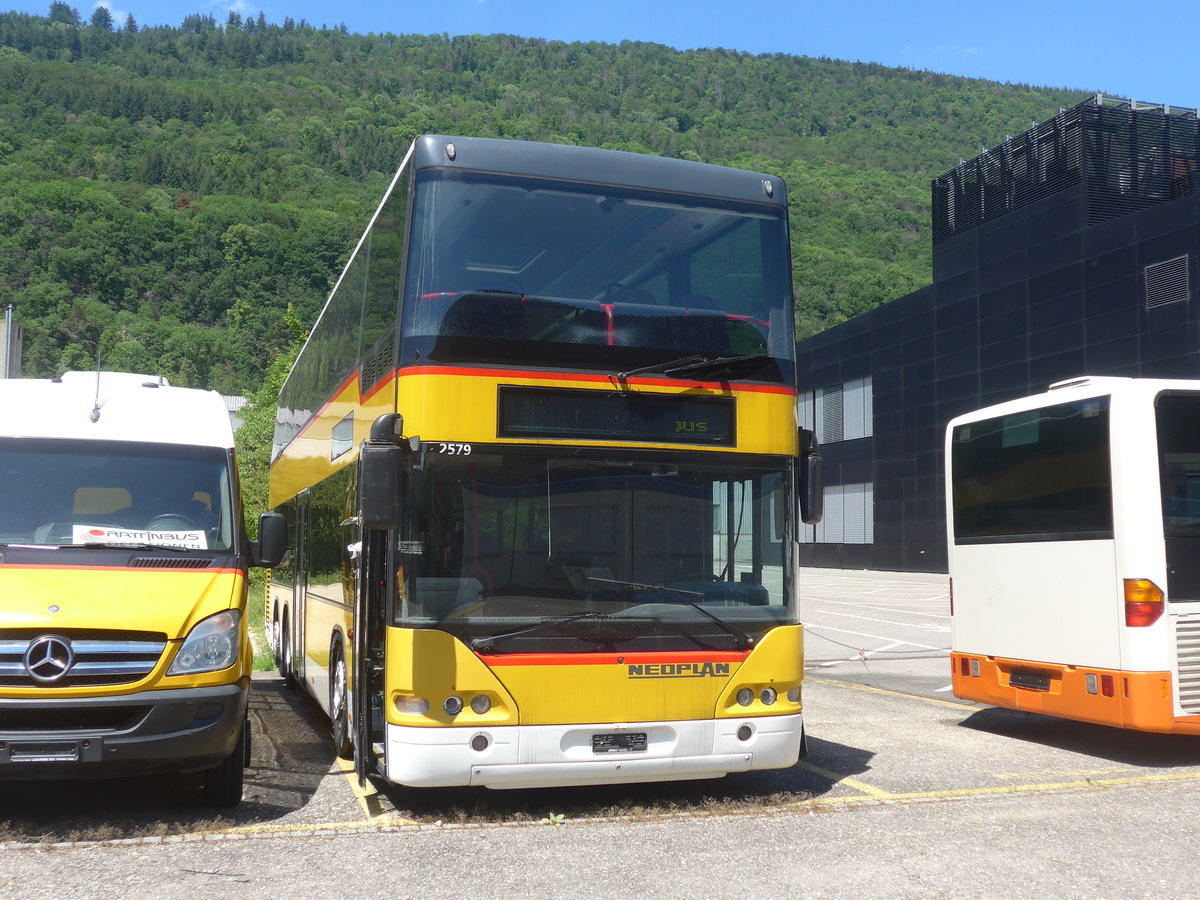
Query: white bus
x,y
1073,522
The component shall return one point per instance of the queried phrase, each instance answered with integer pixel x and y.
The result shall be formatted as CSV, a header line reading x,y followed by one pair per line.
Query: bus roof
x,y
589,164
113,406
1079,388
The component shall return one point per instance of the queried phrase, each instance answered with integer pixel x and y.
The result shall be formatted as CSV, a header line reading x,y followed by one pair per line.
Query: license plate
x,y
44,752
620,742
1033,681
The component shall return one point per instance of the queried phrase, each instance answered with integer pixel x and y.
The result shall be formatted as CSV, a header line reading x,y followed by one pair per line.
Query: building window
x,y
844,412
849,516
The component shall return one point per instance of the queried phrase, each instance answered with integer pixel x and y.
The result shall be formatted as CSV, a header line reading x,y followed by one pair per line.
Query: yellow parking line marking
x,y
870,795
869,790
961,707
1012,789
368,799
1105,770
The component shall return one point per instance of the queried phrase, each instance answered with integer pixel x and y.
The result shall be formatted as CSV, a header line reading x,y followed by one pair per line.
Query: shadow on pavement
x,y
1135,748
750,792
290,756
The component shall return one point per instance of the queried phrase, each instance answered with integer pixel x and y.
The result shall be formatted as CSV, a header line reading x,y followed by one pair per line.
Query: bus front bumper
x,y
131,734
529,756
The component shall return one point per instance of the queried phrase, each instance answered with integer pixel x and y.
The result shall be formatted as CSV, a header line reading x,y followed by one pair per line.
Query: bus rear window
x,y
1038,475
1178,425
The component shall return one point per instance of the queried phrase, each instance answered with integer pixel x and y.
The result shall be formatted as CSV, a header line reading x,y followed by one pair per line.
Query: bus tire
x,y
285,654
223,784
339,721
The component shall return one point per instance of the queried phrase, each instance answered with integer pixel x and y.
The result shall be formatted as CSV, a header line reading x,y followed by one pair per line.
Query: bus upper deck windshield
x,y
503,268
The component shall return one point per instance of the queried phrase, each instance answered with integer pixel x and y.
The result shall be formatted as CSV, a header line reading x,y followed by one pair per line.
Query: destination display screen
x,y
617,415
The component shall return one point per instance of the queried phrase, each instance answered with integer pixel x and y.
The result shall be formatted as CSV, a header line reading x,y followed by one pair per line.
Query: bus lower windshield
x,y
114,493
518,552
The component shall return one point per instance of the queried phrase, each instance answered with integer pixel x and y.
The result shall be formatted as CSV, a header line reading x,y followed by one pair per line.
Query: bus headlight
x,y
745,697
211,646
480,704
412,706
453,705
768,696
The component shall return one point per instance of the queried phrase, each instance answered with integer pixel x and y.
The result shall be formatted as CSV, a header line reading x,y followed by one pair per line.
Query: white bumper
x,y
526,756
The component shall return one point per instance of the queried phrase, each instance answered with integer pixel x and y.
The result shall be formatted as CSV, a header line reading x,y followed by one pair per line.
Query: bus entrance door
x,y
369,604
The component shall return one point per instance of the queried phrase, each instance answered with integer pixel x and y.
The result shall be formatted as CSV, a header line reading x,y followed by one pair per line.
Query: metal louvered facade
x,y
1126,156
1071,249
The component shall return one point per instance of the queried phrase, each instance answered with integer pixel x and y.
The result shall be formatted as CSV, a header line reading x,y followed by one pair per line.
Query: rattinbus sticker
x,y
98,534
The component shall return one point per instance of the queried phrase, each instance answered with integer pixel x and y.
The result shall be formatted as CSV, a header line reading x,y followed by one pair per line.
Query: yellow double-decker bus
x,y
542,469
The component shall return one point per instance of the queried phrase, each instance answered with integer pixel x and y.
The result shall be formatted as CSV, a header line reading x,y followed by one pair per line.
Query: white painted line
x,y
884,649
811,627
888,609
921,625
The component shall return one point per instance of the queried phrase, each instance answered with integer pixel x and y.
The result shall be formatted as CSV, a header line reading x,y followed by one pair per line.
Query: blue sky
x,y
1144,50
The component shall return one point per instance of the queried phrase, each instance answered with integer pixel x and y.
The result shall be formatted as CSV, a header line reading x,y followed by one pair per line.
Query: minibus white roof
x,y
113,406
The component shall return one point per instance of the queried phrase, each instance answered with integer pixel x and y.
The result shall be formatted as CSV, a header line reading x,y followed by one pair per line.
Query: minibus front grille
x,y
171,562
92,720
1187,661
71,659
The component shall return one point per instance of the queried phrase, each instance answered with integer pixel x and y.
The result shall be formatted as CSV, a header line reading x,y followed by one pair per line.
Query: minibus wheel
x,y
223,784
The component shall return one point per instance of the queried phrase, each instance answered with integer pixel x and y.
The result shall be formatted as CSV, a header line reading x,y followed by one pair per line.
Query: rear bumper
x,y
1139,701
131,734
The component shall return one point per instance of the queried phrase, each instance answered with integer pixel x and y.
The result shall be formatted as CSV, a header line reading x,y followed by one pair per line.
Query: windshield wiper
x,y
488,641
689,364
742,640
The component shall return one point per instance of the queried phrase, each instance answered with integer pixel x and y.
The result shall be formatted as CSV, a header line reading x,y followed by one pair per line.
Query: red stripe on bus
x,y
609,659
536,375
593,377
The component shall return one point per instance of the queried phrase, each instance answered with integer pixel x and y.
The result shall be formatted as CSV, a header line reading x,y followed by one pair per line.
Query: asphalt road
x,y
905,793
885,629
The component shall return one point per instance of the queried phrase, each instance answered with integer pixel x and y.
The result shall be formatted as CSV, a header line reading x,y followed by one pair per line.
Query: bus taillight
x,y
1143,602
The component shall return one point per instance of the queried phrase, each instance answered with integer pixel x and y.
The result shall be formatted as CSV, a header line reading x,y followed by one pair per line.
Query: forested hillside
x,y
166,194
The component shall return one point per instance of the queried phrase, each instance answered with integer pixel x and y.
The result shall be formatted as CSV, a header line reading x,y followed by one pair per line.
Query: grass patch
x,y
560,806
256,591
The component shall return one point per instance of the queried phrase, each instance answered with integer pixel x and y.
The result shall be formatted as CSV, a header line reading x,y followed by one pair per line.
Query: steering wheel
x,y
172,522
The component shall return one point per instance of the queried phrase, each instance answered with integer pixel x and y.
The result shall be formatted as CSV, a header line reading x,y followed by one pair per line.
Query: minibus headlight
x,y
211,646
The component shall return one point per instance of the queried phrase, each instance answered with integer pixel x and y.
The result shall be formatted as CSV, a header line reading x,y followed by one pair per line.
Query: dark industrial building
x,y
1070,249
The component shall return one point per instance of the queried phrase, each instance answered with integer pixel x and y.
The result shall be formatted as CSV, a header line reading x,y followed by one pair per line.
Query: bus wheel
x,y
273,639
339,723
284,642
223,784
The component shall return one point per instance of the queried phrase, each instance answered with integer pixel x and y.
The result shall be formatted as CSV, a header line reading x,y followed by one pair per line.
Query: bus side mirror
x,y
810,479
268,551
380,462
